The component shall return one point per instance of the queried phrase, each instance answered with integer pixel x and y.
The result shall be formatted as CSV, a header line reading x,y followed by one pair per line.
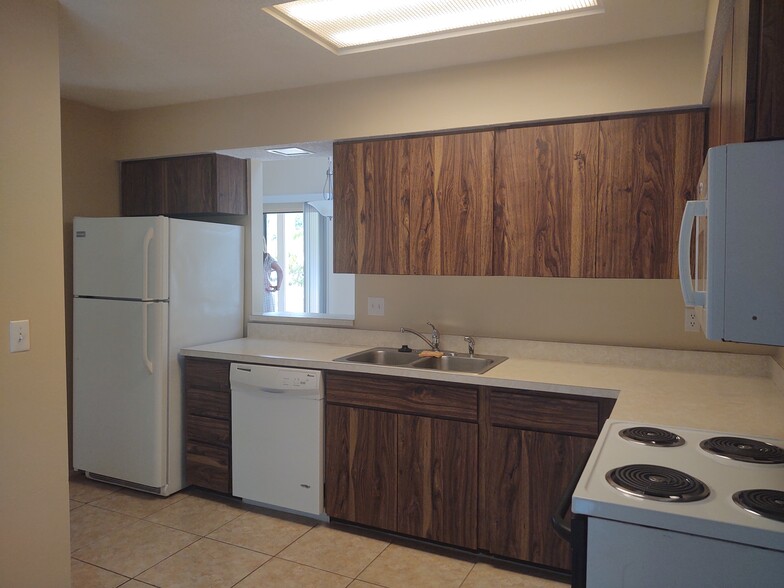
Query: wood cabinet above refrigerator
x,y
189,185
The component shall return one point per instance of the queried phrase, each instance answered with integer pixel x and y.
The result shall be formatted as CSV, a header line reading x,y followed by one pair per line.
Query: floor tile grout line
x,y
165,558
373,560
103,568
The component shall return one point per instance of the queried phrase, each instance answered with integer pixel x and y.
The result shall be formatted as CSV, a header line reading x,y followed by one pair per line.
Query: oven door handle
x,y
560,524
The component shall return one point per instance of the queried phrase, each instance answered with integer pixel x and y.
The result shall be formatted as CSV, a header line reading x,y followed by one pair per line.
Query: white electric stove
x,y
669,506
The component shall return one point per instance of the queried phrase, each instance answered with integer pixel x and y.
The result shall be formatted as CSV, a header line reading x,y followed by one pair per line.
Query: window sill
x,y
300,318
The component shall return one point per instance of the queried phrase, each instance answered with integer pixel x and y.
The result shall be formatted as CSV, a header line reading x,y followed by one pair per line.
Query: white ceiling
x,y
129,54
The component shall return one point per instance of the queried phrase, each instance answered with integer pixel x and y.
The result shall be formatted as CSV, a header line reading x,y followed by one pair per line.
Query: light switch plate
x,y
375,306
20,336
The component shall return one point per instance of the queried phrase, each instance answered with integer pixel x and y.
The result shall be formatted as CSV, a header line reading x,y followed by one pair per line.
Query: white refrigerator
x,y
144,287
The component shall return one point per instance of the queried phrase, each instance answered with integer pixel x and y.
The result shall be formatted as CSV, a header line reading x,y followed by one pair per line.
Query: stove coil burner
x,y
740,449
768,504
657,483
652,436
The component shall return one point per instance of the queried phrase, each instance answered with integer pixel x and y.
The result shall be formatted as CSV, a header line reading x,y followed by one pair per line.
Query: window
x,y
299,239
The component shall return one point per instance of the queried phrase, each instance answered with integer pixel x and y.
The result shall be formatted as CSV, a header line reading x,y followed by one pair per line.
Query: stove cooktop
x,y
715,482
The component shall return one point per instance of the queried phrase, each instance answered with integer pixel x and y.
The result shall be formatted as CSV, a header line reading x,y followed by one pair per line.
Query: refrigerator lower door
x,y
120,390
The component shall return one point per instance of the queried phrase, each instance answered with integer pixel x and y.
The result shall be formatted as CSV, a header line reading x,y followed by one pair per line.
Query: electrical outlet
x,y
376,306
20,336
690,323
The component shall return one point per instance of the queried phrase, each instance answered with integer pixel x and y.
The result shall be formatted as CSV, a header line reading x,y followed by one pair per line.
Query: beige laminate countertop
x,y
742,405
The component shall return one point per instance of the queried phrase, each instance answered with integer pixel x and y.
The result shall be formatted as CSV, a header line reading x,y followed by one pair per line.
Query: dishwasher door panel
x,y
277,437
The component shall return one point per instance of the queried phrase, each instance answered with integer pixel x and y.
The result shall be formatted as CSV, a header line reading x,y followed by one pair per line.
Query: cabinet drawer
x,y
215,431
422,398
208,467
208,403
544,413
207,373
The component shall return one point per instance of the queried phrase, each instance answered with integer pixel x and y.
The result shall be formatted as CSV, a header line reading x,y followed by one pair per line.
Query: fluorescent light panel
x,y
349,26
289,151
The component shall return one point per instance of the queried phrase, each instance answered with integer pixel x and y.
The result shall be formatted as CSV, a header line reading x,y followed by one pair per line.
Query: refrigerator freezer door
x,y
125,258
120,389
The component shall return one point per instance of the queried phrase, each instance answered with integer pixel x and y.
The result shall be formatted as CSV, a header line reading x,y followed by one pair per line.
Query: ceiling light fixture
x,y
350,26
289,151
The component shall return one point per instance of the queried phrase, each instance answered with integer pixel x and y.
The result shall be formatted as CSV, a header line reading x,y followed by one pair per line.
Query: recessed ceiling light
x,y
289,151
350,26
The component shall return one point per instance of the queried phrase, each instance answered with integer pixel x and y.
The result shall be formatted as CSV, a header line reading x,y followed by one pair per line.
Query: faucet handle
x,y
435,336
471,343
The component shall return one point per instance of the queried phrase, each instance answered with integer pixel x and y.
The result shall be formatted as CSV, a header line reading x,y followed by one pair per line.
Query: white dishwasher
x,y
277,429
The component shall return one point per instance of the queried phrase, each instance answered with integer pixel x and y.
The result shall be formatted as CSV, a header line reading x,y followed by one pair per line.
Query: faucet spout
x,y
433,344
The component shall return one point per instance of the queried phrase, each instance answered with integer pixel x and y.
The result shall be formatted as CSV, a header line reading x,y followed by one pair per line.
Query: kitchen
x,y
638,75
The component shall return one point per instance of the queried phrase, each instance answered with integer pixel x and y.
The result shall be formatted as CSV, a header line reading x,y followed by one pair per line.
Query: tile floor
x,y
196,540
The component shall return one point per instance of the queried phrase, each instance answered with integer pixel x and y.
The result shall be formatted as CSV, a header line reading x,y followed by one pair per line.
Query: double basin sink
x,y
449,362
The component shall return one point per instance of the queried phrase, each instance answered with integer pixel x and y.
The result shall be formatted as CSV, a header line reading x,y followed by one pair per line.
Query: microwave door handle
x,y
694,208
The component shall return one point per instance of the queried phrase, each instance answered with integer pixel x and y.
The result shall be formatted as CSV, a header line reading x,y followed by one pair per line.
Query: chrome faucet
x,y
470,341
435,336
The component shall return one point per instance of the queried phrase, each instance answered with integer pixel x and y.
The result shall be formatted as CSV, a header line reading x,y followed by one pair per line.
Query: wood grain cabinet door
x,y
143,188
371,207
451,204
528,472
648,167
437,480
361,466
545,201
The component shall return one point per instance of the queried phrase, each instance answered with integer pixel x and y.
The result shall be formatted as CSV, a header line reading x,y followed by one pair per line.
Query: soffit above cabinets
x,y
129,55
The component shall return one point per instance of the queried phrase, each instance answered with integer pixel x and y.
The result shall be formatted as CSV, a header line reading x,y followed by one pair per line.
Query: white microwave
x,y
735,278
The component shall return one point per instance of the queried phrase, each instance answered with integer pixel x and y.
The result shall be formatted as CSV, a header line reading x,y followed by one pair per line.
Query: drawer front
x,y
211,374
415,397
215,431
208,403
544,413
208,467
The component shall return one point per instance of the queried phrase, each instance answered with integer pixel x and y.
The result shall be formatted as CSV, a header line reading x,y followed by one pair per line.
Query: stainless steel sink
x,y
450,362
381,356
455,363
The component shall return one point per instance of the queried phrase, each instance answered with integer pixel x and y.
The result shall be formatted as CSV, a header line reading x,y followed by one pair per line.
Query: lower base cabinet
x,y
528,473
437,480
477,468
208,424
361,466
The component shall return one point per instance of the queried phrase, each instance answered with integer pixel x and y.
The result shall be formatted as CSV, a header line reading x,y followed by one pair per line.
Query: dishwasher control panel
x,y
296,380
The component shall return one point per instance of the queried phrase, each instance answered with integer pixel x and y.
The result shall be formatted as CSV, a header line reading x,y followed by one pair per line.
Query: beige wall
x,y
780,356
34,541
639,313
644,75
91,187
652,74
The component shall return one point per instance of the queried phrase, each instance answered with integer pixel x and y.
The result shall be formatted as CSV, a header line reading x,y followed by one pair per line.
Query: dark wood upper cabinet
x,y
371,207
545,201
648,167
419,205
193,184
143,187
748,98
451,204
600,198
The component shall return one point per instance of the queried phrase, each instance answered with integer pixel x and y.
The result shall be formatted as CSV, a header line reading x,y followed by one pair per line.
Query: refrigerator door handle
x,y
146,264
145,350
